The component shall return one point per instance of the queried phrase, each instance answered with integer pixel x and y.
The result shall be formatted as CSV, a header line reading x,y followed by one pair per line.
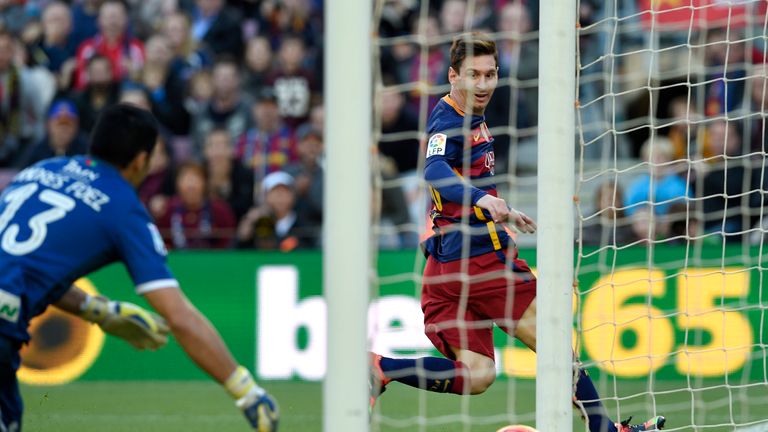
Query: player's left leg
x,y
434,374
586,398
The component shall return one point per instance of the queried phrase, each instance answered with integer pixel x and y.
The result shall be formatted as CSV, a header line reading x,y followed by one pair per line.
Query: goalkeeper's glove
x,y
259,408
139,327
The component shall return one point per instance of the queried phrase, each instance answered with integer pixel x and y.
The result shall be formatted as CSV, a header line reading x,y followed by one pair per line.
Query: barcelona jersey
x,y
62,219
459,170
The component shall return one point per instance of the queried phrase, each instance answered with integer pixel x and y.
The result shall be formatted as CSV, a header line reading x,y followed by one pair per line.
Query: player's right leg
x,y
586,398
10,399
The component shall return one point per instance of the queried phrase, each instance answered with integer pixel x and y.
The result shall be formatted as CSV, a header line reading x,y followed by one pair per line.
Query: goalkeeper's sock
x,y
588,401
427,373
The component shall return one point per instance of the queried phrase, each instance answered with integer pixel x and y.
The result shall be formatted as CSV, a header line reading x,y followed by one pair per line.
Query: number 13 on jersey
x,y
38,223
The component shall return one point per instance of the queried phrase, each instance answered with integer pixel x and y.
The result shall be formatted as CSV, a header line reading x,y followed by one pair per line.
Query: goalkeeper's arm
x,y
204,345
137,326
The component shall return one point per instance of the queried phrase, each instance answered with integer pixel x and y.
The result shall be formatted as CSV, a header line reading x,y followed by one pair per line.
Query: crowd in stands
x,y
237,88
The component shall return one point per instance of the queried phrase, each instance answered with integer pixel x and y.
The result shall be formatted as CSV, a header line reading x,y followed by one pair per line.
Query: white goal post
x,y
347,211
556,151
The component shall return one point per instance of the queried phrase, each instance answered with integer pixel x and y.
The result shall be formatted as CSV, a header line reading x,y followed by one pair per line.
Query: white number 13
x,y
37,223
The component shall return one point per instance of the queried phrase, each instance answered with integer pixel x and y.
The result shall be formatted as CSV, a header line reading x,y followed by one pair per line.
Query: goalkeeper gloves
x,y
259,408
137,326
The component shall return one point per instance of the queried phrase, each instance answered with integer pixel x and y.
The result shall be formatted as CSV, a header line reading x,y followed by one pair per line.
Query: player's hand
x,y
497,207
522,222
259,408
134,324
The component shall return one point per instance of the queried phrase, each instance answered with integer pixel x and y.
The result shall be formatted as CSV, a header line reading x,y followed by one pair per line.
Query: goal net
x,y
671,184
669,306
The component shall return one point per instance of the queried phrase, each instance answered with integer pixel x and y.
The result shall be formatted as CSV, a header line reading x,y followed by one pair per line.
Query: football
x,y
517,428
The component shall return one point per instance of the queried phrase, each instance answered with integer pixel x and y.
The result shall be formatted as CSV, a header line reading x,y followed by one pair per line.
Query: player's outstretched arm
x,y
204,345
134,324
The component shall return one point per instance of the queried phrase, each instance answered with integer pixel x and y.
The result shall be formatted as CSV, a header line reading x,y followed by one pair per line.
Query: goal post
x,y
556,152
347,212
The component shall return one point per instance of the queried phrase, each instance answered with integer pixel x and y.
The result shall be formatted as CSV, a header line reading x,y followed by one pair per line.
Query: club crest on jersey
x,y
436,145
490,162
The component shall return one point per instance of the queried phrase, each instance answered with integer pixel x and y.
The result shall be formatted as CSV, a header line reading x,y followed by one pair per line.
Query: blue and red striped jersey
x,y
459,170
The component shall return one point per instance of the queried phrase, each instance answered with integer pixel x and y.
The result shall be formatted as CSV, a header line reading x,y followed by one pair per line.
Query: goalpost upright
x,y
555,191
347,211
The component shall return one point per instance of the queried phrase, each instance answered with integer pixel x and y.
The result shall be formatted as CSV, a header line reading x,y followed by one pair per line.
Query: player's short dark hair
x,y
123,131
472,44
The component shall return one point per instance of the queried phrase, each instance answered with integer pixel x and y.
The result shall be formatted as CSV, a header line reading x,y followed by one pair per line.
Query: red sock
x,y
462,375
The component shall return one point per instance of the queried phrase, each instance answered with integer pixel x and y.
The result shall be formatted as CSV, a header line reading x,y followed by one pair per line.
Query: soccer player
x,y
500,288
66,217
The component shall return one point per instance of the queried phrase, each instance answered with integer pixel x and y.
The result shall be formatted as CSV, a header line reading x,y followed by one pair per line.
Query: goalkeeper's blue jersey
x,y
62,219
459,169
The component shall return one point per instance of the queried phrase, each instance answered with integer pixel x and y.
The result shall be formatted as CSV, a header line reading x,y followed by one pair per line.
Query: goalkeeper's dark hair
x,y
121,133
472,44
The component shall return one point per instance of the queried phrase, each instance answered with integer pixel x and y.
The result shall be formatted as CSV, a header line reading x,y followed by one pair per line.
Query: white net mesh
x,y
412,48
671,182
670,308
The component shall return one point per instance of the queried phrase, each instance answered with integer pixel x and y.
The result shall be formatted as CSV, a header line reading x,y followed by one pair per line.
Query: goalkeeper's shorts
x,y
462,300
10,399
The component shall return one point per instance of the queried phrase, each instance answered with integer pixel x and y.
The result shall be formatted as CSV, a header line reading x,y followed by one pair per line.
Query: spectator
x,y
136,95
228,180
159,185
661,186
13,17
610,227
165,86
58,43
100,91
399,128
646,227
62,138
682,133
436,60
724,57
308,178
85,20
200,91
515,100
453,17
22,109
758,107
227,108
293,84
217,28
392,208
291,17
683,224
192,220
258,64
317,117
187,57
730,186
270,144
275,224
125,53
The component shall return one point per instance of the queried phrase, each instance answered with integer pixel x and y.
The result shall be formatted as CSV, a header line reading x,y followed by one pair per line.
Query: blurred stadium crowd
x,y
237,88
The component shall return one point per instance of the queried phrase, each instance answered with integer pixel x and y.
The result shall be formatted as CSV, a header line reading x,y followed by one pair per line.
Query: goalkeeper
x,y
66,217
500,287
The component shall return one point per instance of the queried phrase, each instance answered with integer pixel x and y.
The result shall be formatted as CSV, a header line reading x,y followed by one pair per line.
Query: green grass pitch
x,y
168,406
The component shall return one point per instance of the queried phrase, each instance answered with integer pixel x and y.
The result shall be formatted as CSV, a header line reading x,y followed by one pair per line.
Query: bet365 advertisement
x,y
672,313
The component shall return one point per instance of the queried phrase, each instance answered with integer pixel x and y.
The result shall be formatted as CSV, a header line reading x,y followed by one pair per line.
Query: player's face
x,y
473,84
